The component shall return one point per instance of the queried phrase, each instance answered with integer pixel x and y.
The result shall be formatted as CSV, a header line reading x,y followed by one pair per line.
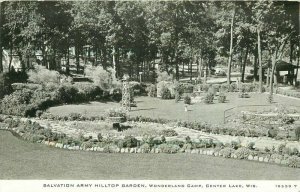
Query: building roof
x,y
283,66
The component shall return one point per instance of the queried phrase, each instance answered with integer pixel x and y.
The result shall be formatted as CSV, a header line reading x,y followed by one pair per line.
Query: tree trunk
x,y
231,49
272,73
191,69
77,59
244,64
260,62
68,62
268,77
296,75
11,56
114,59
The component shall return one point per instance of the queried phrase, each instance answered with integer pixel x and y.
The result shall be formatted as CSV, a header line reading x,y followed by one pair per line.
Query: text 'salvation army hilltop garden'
x,y
212,80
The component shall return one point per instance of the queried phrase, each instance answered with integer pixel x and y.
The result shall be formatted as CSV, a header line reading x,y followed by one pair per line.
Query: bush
x,y
165,93
293,161
74,116
41,75
145,148
130,141
297,133
152,91
169,148
226,152
177,97
242,153
104,78
272,132
168,133
209,98
89,91
233,87
67,94
110,148
116,112
222,98
244,95
187,99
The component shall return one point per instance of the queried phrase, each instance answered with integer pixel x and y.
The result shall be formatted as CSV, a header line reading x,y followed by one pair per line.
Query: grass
x,y
168,109
22,160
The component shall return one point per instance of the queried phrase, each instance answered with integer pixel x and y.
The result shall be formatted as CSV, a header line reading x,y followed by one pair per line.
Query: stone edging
x,y
209,151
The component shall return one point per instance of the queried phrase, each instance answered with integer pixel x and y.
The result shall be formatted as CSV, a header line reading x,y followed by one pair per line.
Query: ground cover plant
x,y
33,132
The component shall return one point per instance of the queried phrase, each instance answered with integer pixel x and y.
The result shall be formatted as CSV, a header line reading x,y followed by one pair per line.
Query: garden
x,y
187,81
35,112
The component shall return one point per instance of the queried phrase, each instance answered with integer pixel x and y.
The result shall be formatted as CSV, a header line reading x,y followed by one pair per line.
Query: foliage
x,y
222,98
187,99
226,152
169,148
177,97
152,91
165,93
297,133
208,98
67,94
104,78
242,153
117,112
168,133
41,75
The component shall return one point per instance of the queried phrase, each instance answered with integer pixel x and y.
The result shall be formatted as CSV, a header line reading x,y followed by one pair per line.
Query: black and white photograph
x,y
149,95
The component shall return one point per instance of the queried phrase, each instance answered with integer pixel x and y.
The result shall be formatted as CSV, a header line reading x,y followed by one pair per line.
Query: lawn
x,y
168,109
22,160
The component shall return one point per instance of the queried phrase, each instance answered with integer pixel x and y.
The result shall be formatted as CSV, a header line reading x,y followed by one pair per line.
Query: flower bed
x,y
33,132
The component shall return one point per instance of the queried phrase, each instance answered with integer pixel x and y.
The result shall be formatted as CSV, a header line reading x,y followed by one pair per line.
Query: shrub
x,y
293,161
88,91
104,78
272,132
209,98
165,93
242,153
67,94
235,144
270,98
164,76
176,142
177,97
41,75
222,98
116,112
233,87
169,148
187,99
297,133
244,95
168,133
152,91
226,152
250,145
145,148
187,88
212,90
110,148
130,141
280,148
74,116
